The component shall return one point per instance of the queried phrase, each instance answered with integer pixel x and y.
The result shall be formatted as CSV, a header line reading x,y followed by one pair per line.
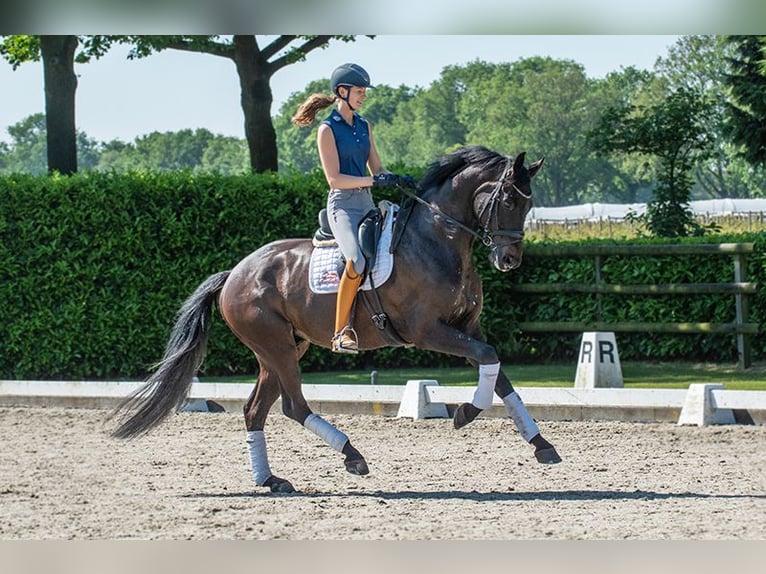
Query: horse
x,y
432,301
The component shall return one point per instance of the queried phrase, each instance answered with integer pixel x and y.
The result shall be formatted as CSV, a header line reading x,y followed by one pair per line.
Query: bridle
x,y
485,235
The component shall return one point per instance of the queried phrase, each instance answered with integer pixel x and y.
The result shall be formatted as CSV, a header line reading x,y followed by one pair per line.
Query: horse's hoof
x,y
279,485
357,466
547,456
464,414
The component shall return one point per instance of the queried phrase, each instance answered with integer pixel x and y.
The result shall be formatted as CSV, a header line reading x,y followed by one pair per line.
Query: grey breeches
x,y
345,209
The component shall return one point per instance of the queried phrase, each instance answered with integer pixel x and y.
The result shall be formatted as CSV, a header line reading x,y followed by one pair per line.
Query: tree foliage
x,y
746,117
58,55
544,106
703,63
255,67
673,130
27,150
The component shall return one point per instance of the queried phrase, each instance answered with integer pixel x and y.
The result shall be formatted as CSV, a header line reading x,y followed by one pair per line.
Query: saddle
x,y
368,234
327,263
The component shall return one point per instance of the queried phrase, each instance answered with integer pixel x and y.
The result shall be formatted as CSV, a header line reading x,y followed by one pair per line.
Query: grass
x,y
647,375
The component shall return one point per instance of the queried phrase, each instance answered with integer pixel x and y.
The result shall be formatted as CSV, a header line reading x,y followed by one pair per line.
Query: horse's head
x,y
501,207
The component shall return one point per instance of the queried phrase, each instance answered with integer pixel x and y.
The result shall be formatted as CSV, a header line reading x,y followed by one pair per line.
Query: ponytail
x,y
309,109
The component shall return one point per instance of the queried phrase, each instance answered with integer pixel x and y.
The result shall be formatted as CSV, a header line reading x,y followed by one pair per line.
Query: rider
x,y
347,151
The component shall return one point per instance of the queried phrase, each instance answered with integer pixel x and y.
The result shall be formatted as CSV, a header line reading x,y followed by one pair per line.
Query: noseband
x,y
485,235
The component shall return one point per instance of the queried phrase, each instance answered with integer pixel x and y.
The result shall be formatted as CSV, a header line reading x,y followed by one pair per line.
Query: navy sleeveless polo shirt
x,y
352,142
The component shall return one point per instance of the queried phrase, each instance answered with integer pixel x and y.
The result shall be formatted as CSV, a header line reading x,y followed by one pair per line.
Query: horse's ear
x,y
535,167
518,163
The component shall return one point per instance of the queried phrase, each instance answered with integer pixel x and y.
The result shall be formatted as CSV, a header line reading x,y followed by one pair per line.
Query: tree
x,y
255,67
624,177
702,63
673,130
194,150
542,106
60,84
58,55
746,111
226,155
426,124
27,152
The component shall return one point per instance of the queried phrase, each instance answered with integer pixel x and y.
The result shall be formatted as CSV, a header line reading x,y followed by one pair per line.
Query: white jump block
x,y
700,409
598,365
416,405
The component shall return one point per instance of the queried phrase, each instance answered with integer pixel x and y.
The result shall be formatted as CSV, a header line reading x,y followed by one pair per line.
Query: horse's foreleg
x,y
256,409
545,452
468,343
482,396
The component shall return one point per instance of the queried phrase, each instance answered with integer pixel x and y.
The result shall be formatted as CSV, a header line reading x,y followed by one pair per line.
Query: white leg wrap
x,y
482,398
326,431
256,443
524,422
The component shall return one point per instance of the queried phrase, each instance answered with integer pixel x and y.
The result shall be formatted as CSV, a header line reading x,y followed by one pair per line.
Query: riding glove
x,y
387,180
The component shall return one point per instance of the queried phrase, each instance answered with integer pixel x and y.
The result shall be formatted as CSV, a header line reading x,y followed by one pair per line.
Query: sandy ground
x,y
63,477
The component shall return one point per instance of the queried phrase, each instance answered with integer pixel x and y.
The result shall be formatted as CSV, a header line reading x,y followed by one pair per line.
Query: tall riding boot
x,y
344,340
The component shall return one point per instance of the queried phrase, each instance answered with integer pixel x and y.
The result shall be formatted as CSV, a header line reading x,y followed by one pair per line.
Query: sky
x,y
122,99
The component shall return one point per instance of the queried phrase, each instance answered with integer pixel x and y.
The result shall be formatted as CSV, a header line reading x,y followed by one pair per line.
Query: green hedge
x,y
715,308
94,267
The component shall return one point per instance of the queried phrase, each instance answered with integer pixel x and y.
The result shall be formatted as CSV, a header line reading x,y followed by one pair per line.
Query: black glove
x,y
385,180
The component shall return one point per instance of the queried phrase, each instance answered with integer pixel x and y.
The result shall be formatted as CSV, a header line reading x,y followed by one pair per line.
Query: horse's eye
x,y
508,201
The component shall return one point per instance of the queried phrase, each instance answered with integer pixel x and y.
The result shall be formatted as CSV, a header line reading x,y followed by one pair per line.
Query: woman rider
x,y
347,151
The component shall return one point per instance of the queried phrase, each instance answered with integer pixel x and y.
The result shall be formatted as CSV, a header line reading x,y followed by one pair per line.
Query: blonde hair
x,y
308,110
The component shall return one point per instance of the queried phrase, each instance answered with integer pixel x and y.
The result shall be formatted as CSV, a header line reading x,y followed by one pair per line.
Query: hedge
x,y
714,308
93,268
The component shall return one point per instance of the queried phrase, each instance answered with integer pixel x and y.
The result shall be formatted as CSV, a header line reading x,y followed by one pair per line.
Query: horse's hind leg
x,y
279,355
256,410
294,405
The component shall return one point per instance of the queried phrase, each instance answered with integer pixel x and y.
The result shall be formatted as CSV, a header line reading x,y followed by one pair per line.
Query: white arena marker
x,y
415,403
598,365
699,408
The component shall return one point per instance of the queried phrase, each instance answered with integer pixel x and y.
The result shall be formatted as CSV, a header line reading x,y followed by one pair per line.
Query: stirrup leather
x,y
345,341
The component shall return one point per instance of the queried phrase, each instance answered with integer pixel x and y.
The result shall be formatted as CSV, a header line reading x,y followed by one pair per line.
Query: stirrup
x,y
345,341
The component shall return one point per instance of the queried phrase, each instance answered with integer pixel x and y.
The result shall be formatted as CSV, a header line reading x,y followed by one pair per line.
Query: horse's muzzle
x,y
505,258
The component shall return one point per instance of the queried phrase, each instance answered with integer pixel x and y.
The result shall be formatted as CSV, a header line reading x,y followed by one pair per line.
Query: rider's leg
x,y
345,209
344,340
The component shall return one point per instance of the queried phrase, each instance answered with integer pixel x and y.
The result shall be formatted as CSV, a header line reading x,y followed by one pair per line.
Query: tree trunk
x,y
256,97
57,54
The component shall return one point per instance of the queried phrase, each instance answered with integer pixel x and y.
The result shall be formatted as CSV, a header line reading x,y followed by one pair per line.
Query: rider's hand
x,y
385,180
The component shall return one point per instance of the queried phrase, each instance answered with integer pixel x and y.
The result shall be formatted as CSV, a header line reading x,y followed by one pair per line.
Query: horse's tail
x,y
165,390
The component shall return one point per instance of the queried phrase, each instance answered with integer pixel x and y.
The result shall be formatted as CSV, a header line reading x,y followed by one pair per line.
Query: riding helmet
x,y
349,75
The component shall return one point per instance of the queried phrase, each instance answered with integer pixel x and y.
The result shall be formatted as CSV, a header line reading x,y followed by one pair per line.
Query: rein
x,y
486,236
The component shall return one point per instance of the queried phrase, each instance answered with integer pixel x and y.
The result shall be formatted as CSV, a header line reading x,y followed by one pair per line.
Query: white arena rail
x,y
700,404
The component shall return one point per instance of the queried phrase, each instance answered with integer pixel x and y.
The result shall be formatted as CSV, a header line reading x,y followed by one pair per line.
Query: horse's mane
x,y
450,164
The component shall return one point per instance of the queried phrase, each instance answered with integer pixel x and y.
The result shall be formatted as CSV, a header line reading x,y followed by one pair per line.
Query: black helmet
x,y
349,75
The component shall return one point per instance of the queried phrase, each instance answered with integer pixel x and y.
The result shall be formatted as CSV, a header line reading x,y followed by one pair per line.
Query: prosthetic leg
x,y
344,340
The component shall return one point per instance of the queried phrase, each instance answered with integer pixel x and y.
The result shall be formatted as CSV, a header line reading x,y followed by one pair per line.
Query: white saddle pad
x,y
323,268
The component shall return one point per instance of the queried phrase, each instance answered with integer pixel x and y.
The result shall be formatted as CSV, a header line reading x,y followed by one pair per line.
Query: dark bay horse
x,y
433,299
